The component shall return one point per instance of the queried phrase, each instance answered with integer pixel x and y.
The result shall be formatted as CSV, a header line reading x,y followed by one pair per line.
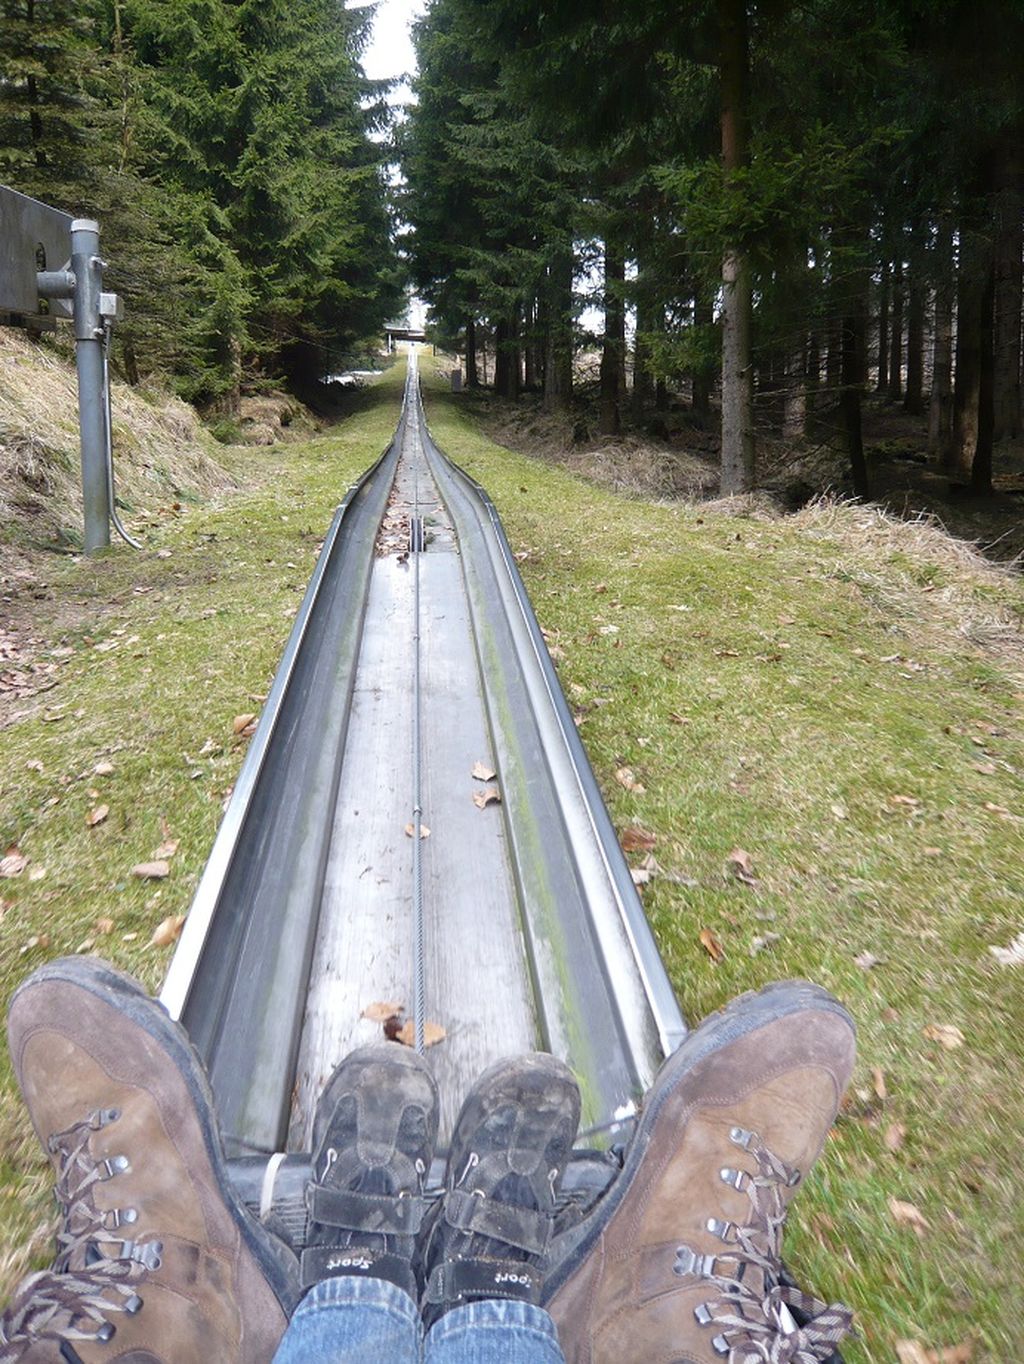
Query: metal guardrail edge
x,y
181,972
661,997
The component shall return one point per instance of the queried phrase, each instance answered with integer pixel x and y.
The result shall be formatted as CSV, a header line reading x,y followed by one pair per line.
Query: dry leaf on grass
x,y
878,1082
945,1034
103,769
13,862
97,816
410,830
1012,955
37,940
913,1352
741,866
34,765
895,1135
490,795
104,926
867,961
167,930
432,1034
483,772
635,839
641,875
151,871
711,945
242,722
626,777
167,849
909,1215
381,1010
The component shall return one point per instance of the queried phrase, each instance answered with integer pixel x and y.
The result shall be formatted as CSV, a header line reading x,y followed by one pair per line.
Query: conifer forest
x,y
773,209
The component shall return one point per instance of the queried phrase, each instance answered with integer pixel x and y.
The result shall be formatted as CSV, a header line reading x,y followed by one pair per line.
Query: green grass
x,y
196,637
775,686
745,685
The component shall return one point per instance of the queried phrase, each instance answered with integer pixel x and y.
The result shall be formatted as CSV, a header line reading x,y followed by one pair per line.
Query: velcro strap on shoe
x,y
456,1281
378,1213
324,1262
524,1228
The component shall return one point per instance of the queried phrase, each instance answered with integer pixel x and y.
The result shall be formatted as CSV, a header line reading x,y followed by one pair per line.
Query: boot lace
x,y
86,1284
756,1326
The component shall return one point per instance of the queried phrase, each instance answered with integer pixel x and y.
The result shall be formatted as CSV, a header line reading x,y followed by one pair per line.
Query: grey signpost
x,y
46,254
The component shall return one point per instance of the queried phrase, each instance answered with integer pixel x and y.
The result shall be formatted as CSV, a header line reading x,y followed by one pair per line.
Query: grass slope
x,y
839,697
836,696
155,655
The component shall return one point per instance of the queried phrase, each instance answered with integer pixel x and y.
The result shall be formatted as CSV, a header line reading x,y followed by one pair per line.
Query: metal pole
x,y
87,268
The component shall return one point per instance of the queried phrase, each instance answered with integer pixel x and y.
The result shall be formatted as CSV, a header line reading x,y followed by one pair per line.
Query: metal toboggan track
x,y
513,924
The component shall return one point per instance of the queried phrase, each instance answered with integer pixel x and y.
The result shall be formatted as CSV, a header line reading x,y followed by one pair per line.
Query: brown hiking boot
x,y
157,1260
680,1261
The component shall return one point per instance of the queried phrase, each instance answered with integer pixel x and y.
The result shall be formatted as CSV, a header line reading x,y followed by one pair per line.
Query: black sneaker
x,y
489,1236
373,1140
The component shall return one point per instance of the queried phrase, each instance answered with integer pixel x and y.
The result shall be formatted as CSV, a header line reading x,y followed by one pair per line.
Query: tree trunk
x,y
850,398
700,379
913,401
895,389
650,318
529,348
1008,286
883,331
613,351
794,412
940,408
472,377
558,336
972,398
506,359
738,451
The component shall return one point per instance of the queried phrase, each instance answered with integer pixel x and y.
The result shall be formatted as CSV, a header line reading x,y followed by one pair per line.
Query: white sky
x,y
390,51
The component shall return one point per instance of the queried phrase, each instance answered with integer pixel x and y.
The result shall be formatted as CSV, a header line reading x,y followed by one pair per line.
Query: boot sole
x,y
104,981
740,1017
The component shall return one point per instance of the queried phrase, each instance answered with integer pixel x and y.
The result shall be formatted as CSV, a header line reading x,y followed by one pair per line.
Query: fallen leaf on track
x,y
626,777
909,1215
711,945
151,871
381,1009
483,772
432,1034
490,795
409,830
635,839
945,1034
97,816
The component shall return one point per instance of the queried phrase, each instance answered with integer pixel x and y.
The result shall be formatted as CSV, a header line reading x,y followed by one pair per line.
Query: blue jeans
x,y
352,1321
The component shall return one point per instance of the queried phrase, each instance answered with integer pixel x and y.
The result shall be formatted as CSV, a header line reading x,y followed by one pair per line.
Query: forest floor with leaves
x,y
809,733
672,455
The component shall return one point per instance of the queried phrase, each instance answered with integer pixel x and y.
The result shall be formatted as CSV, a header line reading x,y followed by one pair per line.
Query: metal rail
x,y
517,925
